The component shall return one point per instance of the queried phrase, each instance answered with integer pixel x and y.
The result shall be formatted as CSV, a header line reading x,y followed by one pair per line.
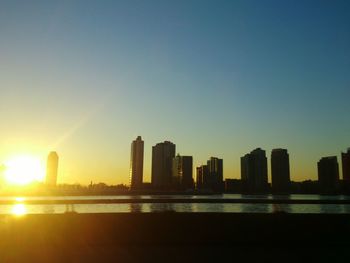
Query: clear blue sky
x,y
217,78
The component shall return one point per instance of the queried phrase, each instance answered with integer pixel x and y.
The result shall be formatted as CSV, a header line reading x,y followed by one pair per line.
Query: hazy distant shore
x,y
173,199
159,193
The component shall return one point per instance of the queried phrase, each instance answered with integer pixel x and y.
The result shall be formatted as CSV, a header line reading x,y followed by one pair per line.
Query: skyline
x,y
164,156
218,79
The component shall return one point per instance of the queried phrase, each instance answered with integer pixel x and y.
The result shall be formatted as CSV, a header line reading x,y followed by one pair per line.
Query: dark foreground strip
x,y
175,237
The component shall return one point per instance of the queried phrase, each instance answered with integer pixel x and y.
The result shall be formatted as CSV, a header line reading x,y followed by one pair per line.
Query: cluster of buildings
x,y
174,172
171,171
210,176
328,172
254,177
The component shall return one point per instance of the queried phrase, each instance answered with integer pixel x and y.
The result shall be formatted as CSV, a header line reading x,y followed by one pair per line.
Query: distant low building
x,y
233,186
52,169
328,174
304,187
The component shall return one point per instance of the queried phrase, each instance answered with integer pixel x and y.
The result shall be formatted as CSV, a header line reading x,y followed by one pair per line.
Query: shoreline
x,y
157,193
177,201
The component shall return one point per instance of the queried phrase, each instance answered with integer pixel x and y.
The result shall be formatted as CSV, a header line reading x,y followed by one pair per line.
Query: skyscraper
x,y
210,176
345,158
254,170
328,174
51,169
280,170
136,163
201,177
215,169
162,158
182,172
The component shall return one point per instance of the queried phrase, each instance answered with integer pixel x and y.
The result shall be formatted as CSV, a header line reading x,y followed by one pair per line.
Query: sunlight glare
x,y
19,210
22,170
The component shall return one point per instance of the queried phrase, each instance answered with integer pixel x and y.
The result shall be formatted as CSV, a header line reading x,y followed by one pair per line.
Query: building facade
x,y
162,159
328,174
280,170
136,163
202,177
182,172
345,158
215,170
210,176
52,169
254,171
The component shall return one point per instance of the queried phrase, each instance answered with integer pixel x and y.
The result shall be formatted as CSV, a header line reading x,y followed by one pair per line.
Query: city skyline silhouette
x,y
173,173
84,79
136,167
174,130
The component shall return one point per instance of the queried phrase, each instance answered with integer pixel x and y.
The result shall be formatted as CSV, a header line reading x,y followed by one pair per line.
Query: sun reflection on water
x,y
19,210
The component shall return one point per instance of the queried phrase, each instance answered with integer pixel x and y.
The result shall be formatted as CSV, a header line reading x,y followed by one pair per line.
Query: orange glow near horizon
x,y
23,170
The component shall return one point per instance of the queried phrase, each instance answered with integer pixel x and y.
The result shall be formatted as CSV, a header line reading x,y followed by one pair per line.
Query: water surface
x,y
20,207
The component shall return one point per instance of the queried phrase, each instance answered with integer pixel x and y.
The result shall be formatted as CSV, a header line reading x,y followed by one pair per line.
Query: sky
x,y
217,78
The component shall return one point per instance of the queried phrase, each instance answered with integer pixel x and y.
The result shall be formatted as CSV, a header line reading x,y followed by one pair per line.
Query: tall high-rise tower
x,y
216,176
201,177
51,169
136,163
162,158
210,176
254,170
280,172
345,158
182,172
328,174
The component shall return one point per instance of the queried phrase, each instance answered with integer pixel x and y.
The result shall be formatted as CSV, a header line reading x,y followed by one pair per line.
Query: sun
x,y
24,169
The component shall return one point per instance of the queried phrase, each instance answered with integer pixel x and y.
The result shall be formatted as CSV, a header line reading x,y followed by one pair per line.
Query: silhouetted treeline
x,y
238,186
67,189
231,186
